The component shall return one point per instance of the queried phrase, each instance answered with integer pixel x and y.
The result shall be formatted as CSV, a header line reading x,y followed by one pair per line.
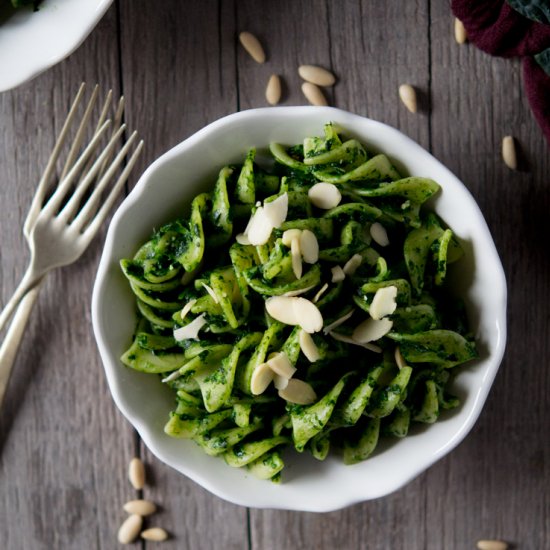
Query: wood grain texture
x,y
64,448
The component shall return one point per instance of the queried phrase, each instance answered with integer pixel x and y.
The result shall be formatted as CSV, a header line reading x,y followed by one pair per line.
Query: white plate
x,y
31,42
165,191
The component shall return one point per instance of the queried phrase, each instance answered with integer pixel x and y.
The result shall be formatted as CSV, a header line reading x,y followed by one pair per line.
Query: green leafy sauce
x,y
200,271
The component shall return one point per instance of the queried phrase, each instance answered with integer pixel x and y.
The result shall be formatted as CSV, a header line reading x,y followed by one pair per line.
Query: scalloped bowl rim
x,y
309,485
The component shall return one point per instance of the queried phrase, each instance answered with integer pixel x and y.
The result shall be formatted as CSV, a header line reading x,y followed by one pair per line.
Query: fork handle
x,y
10,345
29,280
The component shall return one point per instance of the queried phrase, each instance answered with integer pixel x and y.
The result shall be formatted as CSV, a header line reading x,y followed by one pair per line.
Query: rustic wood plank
x,y
189,82
354,40
493,480
64,447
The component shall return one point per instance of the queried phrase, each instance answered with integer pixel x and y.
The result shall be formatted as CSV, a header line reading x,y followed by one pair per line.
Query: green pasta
x,y
282,319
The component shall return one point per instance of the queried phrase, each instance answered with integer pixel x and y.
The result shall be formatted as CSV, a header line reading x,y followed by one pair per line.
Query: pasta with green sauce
x,y
302,306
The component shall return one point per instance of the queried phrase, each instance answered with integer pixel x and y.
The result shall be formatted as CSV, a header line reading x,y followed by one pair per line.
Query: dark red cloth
x,y
494,27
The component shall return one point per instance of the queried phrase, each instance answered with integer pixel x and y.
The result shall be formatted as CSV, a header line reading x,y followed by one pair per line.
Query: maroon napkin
x,y
494,27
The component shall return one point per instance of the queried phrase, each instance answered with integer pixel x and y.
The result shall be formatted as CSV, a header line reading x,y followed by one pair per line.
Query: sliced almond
x,y
280,382
307,314
324,195
280,364
379,234
338,322
308,347
350,340
337,274
509,152
273,90
408,96
322,290
260,228
295,310
371,330
129,530
140,507
252,45
309,246
187,308
277,210
242,238
260,379
280,308
399,359
316,75
190,331
155,534
289,235
491,545
383,302
296,258
210,291
299,392
314,94
298,291
460,32
136,473
352,264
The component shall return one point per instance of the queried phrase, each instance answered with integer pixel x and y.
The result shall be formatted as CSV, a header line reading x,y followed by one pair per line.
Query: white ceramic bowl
x,y
165,191
31,42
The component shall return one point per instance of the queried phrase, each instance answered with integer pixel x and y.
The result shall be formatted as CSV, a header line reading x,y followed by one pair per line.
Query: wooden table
x,y
64,447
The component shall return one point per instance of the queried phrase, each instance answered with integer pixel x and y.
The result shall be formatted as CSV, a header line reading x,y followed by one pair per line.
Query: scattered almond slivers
x,y
289,235
277,210
371,330
383,303
407,94
324,195
338,322
280,382
136,473
350,340
352,264
252,46
140,507
130,528
399,359
322,290
337,274
309,246
155,534
280,364
295,310
298,392
266,218
308,347
379,234
296,258
261,378
190,331
298,291
211,292
187,308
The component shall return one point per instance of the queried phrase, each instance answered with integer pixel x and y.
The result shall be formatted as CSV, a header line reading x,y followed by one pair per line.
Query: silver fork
x,y
59,231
